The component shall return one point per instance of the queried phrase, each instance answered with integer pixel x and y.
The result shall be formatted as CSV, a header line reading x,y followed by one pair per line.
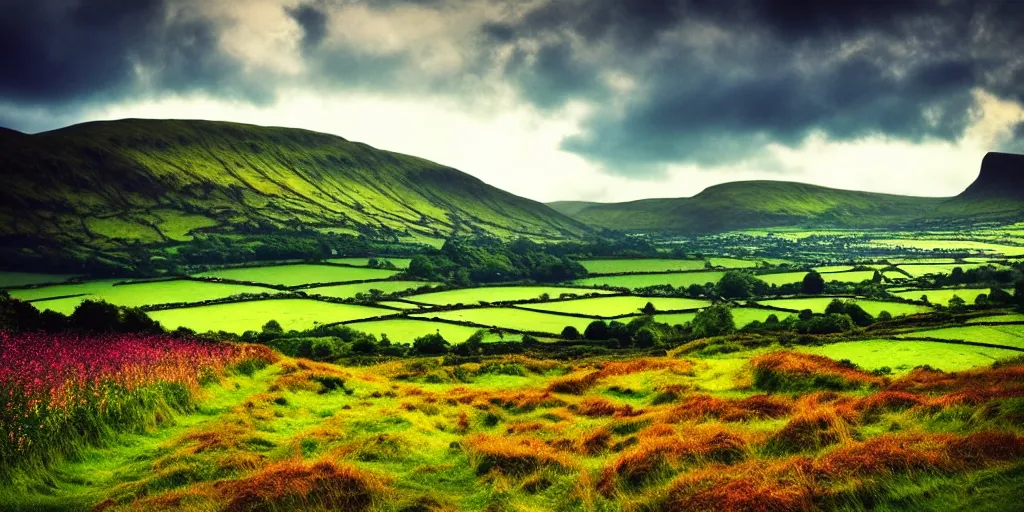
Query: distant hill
x,y
104,186
997,194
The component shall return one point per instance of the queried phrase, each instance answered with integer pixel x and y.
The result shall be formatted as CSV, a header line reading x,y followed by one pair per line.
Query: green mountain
x,y
997,194
109,187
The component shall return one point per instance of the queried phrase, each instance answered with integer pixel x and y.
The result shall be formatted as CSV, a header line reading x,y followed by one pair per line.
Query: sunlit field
x,y
344,387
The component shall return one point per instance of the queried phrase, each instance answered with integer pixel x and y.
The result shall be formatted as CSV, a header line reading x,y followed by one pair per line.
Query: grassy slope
x,y
105,183
502,440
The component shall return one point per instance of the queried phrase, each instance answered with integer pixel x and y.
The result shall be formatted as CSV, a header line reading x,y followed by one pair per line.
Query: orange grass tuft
x,y
886,455
698,407
291,484
753,487
984,448
787,370
812,431
575,384
656,453
513,456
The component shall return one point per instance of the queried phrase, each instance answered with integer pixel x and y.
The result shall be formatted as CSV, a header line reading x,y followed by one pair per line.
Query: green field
x,y
833,268
926,261
732,263
497,294
740,316
946,245
615,306
798,277
296,275
849,277
782,278
903,356
1008,335
405,330
345,291
362,262
818,305
598,267
238,317
134,295
923,270
8,279
678,280
511,318
398,304
942,296
1013,317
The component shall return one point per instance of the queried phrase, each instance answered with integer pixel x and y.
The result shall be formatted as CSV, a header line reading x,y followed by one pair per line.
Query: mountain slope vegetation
x,y
107,186
997,194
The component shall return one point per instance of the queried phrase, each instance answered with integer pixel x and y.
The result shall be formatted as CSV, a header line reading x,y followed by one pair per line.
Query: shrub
x,y
430,344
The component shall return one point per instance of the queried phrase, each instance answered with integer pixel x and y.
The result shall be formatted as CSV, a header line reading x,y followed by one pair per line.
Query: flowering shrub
x,y
59,390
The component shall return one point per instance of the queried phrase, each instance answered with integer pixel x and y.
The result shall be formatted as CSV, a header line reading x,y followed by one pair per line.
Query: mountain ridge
x,y
107,185
997,194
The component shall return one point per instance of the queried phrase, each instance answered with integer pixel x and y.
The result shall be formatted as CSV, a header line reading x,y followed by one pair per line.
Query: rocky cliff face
x,y
1002,176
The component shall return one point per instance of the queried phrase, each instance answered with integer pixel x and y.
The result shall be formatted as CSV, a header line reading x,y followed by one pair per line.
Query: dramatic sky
x,y
603,100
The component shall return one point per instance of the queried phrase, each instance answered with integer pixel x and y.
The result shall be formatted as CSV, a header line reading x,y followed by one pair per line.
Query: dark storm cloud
x,y
64,55
313,21
670,81
717,81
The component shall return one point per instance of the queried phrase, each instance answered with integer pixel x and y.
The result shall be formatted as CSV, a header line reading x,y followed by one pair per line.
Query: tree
x,y
876,277
430,344
570,333
884,316
805,315
772,319
648,309
813,283
736,285
96,316
1018,293
714,320
956,303
364,344
619,332
851,309
646,337
999,296
596,331
272,327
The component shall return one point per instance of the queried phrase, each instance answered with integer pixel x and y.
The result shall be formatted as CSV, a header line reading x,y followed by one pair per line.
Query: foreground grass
x,y
755,430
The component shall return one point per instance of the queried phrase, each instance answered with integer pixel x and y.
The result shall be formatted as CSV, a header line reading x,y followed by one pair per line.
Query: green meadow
x,y
818,305
498,294
597,267
297,275
1007,335
616,306
678,280
238,317
904,355
363,262
511,318
344,291
407,330
924,270
942,296
133,295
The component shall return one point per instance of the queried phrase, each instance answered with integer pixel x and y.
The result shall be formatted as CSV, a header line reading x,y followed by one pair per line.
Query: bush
x,y
570,333
596,331
715,320
430,344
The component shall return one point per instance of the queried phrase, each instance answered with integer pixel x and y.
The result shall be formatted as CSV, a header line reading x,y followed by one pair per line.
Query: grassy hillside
x,y
752,204
996,195
105,186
